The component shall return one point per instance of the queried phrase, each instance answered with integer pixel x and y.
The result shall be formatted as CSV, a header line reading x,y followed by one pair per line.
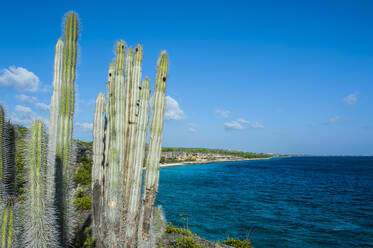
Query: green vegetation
x,y
178,230
238,243
187,242
82,200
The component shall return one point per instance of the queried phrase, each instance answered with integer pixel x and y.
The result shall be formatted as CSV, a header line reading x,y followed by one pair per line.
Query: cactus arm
x,y
132,109
65,130
10,228
97,166
53,119
155,143
134,200
39,223
113,175
1,142
9,168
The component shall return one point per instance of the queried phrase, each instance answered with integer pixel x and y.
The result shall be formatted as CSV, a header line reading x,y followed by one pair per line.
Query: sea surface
x,y
281,202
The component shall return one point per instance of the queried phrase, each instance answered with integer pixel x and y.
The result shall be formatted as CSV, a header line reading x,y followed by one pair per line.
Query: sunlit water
x,y
285,202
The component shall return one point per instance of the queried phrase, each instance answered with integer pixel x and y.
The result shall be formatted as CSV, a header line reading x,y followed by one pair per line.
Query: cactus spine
x,y
98,166
65,130
39,223
155,144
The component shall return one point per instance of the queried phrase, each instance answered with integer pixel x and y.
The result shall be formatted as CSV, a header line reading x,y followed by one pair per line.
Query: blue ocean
x,y
280,202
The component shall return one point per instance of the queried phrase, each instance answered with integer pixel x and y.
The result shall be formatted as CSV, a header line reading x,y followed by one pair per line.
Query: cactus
x,y
155,143
64,131
53,119
132,112
1,142
8,190
98,167
7,227
40,221
123,150
115,132
8,159
139,154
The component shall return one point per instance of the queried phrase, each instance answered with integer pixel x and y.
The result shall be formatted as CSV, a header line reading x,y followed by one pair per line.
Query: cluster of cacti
x,y
119,218
46,211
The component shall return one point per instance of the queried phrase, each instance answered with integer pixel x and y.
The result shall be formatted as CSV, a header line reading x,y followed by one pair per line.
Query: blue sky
x,y
261,76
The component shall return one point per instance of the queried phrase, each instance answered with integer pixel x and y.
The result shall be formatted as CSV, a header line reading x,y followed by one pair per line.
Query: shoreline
x,y
183,163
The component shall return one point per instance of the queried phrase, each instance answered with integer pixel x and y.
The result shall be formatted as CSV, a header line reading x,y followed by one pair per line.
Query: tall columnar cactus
x,y
2,118
98,167
9,162
39,226
115,131
132,105
155,145
119,145
139,154
8,186
53,119
65,131
7,227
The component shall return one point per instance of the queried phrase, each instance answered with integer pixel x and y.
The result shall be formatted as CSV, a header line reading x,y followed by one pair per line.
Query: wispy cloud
x,y
252,124
42,106
19,78
25,116
223,113
350,99
173,110
234,125
192,130
26,98
332,120
85,126
241,124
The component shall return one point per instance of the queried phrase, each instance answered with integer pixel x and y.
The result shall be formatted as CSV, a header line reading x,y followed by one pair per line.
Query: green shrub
x,y
177,230
187,242
82,201
238,243
83,174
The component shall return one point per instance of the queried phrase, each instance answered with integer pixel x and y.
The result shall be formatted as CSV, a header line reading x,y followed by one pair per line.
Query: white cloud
x,y
85,126
26,99
350,99
243,121
192,130
332,120
25,116
234,125
223,113
173,110
256,125
252,124
241,124
19,78
42,106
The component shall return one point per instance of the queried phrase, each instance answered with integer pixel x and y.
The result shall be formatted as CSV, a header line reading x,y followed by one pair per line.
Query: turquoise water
x,y
285,202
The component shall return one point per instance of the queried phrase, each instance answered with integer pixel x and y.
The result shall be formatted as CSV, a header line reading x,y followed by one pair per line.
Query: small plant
x,y
238,243
82,201
177,230
187,242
